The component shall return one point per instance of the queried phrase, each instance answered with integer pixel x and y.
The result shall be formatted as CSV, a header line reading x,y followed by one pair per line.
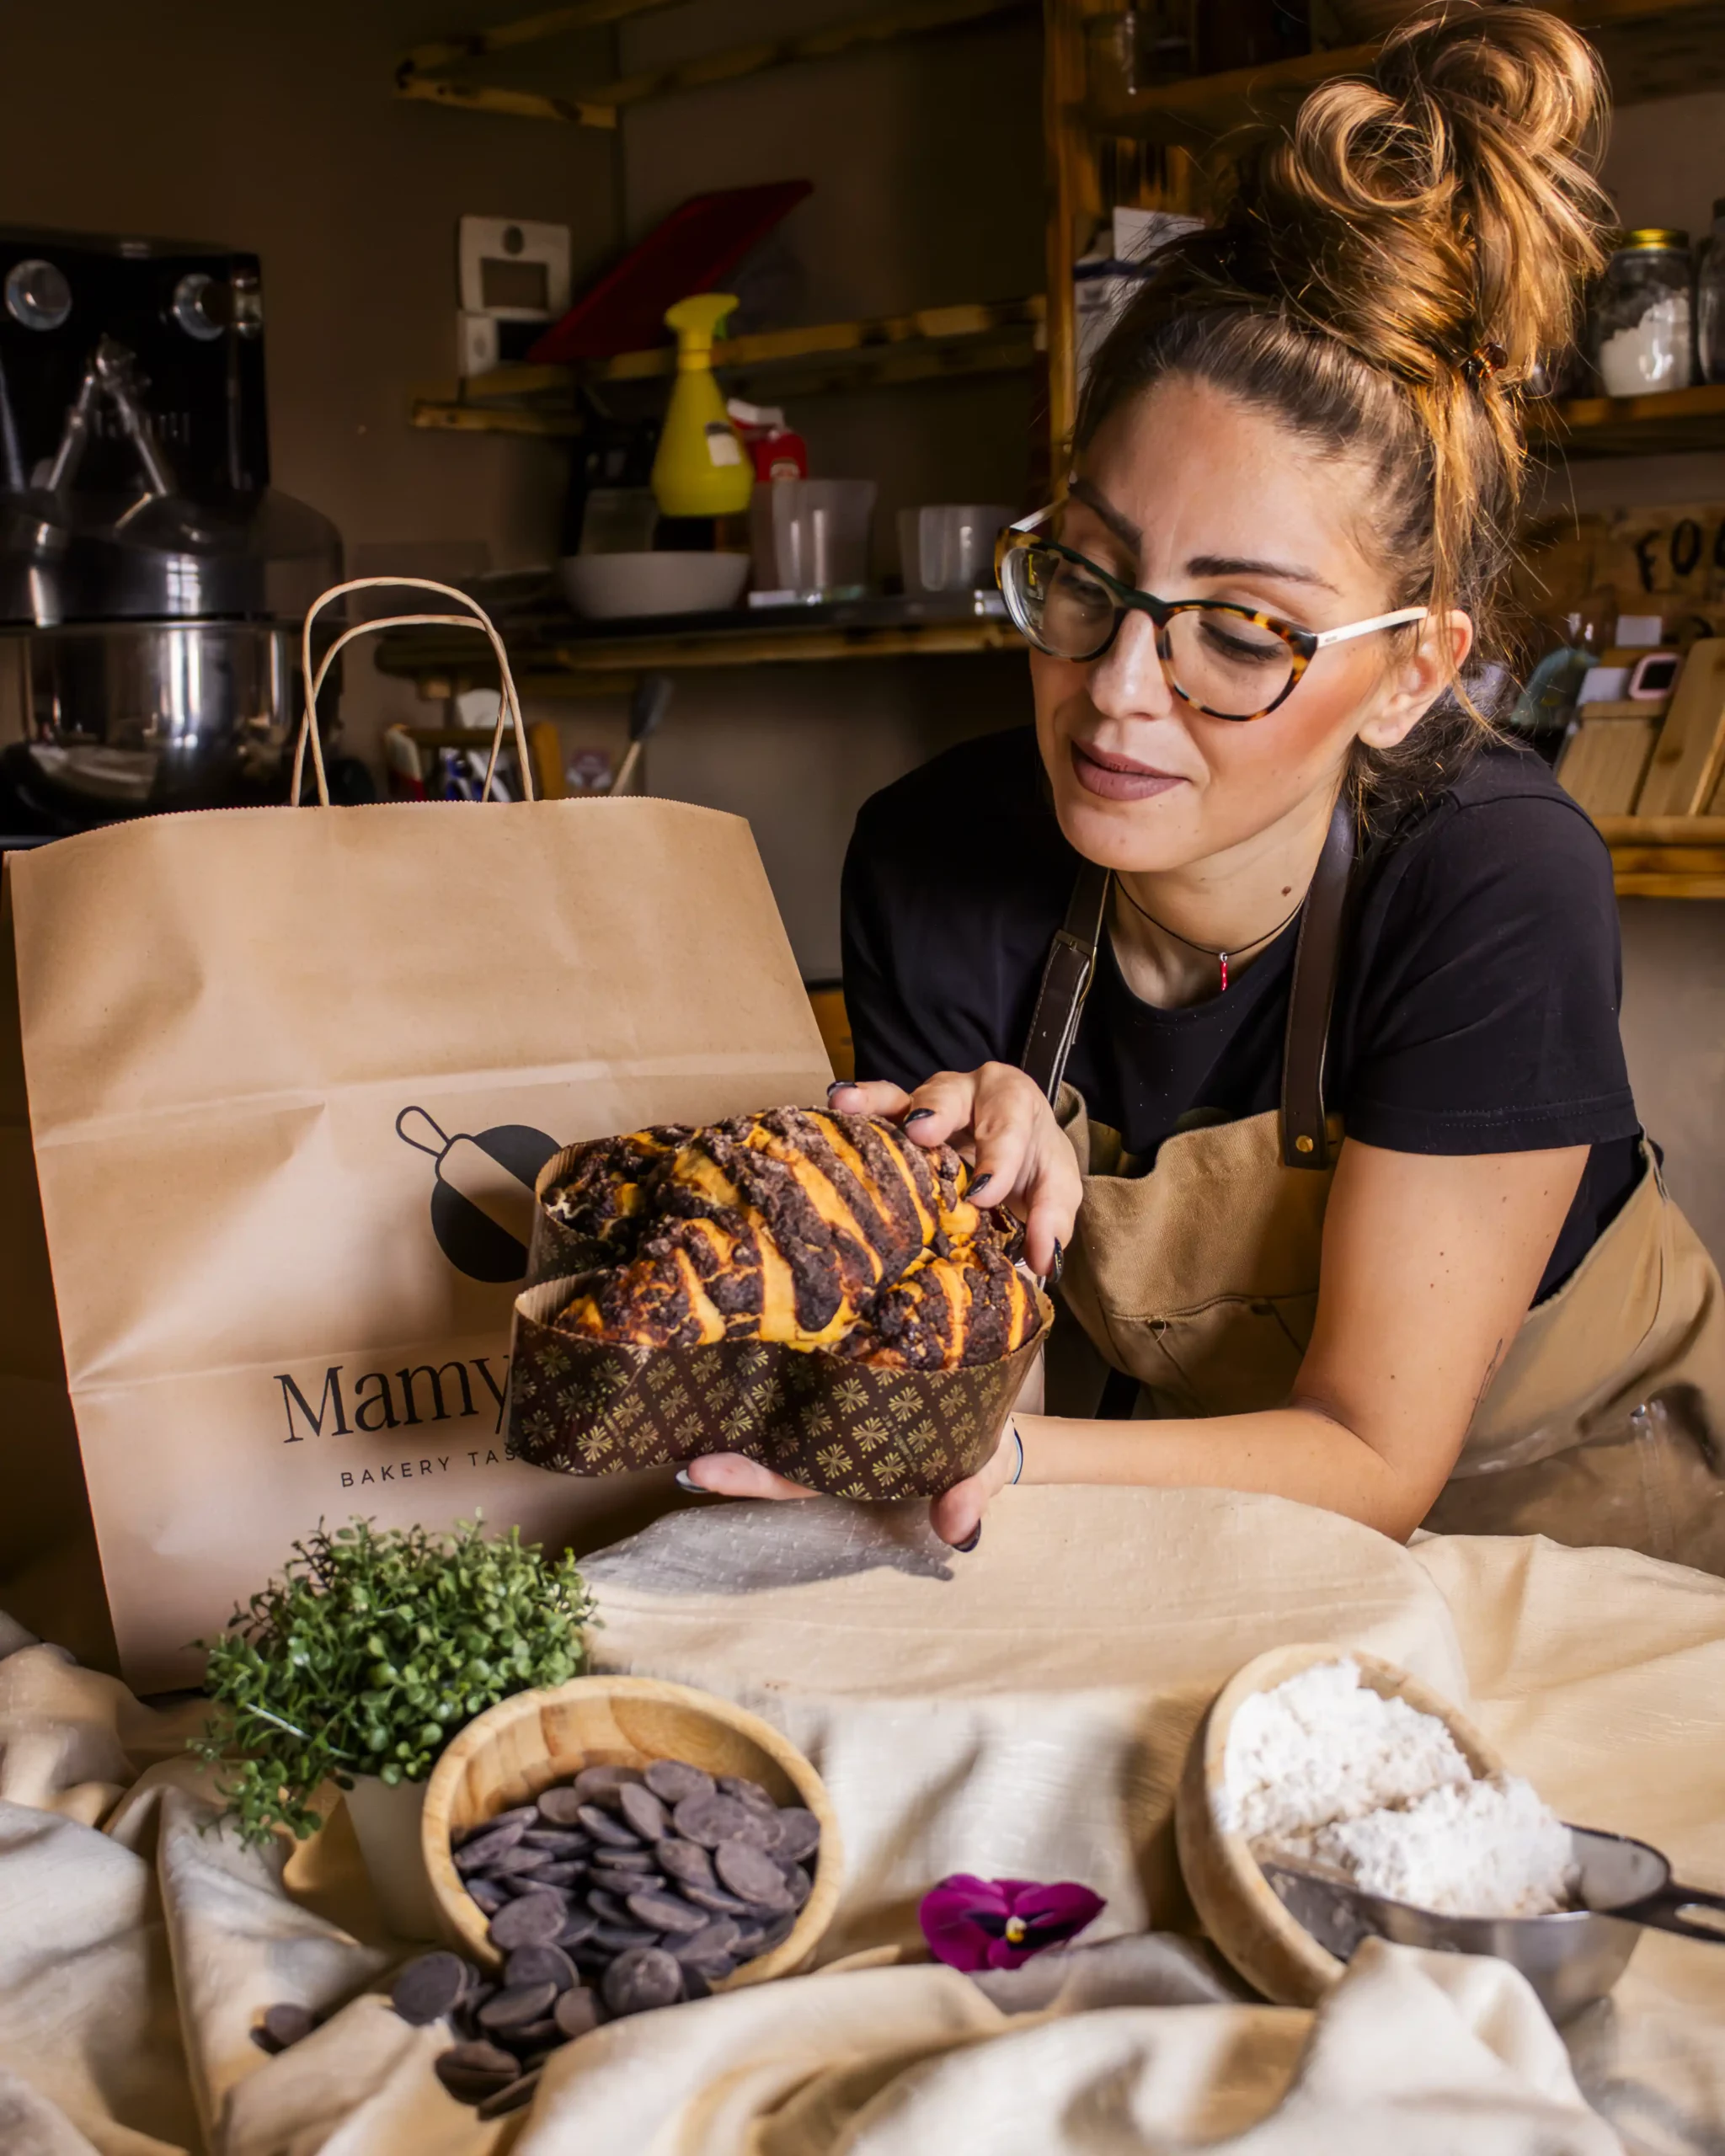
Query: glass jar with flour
x,y
1643,331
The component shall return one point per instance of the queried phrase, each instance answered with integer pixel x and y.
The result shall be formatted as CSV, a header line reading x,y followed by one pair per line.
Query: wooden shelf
x,y
936,343
1666,856
548,665
1651,49
420,75
1680,421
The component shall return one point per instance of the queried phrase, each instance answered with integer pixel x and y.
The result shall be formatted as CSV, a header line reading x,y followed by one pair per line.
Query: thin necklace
x,y
1221,957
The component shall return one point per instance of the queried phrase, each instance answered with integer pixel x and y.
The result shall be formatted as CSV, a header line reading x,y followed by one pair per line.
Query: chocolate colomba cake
x,y
816,1230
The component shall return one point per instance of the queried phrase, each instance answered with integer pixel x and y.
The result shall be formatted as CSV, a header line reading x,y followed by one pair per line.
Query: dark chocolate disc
x,y
715,1900
798,1832
481,1854
709,1943
473,2072
559,1841
540,1965
534,1920
751,1875
684,1860
638,1981
607,1829
516,2005
600,1785
289,2023
749,1793
625,1938
428,1988
512,2098
644,1811
671,1780
521,1858
559,1804
577,2012
666,1912
711,1820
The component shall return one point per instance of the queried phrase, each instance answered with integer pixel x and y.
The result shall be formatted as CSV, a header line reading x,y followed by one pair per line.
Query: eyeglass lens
x,y
1218,658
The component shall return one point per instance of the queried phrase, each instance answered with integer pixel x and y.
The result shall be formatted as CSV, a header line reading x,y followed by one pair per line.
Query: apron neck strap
x,y
1066,976
1317,960
1071,967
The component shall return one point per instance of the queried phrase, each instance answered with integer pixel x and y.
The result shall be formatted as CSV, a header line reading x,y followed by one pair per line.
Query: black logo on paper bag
x,y
482,1199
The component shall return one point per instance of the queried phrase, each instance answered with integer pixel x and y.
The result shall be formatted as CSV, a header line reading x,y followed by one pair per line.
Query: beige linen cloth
x,y
1021,1711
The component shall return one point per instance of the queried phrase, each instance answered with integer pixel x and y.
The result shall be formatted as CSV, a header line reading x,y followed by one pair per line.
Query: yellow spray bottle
x,y
702,468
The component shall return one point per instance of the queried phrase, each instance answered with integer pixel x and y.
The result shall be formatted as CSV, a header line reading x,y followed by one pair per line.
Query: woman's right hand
x,y
1000,1120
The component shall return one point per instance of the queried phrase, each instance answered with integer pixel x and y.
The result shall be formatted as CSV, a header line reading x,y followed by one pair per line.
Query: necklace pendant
x,y
1222,957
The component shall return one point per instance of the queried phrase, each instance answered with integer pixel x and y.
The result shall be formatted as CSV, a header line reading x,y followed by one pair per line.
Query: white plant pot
x,y
386,1822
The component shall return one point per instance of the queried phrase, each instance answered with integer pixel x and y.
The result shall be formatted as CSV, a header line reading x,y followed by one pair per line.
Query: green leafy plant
x,y
368,1654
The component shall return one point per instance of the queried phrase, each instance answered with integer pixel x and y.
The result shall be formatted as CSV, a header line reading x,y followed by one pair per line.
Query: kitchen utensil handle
x,y
1661,1910
509,707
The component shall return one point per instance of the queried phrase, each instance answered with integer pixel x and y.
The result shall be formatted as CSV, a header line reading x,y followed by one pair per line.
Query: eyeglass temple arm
x,y
1364,629
1025,523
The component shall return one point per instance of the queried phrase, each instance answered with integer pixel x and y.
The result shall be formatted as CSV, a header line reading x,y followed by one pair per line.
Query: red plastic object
x,y
694,250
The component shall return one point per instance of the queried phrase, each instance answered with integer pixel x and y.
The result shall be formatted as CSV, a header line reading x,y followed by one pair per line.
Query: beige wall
x,y
271,125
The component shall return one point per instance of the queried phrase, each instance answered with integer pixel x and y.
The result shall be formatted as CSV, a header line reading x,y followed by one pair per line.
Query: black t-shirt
x,y
1477,1010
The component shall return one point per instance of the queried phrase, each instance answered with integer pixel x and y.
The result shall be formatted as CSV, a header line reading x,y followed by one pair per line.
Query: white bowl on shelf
x,y
613,587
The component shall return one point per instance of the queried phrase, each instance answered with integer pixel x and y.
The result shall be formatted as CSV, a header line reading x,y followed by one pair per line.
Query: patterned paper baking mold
x,y
585,1406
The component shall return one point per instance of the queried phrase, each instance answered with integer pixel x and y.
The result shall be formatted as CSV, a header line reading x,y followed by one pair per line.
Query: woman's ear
x,y
1412,685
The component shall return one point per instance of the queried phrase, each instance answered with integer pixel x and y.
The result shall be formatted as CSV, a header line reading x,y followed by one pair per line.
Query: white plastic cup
x,y
949,546
812,534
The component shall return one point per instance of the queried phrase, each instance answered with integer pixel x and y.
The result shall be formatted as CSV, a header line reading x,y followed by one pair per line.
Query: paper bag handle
x,y
509,706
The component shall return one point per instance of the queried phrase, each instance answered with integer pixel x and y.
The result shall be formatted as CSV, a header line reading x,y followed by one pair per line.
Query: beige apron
x,y
1200,1279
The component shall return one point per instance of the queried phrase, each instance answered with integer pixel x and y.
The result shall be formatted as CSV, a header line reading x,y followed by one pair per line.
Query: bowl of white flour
x,y
1337,1762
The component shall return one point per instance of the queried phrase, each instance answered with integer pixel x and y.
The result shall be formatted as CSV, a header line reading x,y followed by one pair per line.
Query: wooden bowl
x,y
524,1744
1239,1907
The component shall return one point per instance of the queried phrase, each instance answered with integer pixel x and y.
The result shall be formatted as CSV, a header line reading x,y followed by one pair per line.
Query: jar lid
x,y
1647,238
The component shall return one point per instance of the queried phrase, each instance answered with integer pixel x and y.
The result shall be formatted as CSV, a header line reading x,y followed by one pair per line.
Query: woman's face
x,y
1190,493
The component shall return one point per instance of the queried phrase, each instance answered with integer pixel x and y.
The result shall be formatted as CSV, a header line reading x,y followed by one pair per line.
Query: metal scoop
x,y
1570,1958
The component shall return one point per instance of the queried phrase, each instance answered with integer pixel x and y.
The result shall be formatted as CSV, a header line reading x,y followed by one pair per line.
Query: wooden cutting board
x,y
1602,764
1691,751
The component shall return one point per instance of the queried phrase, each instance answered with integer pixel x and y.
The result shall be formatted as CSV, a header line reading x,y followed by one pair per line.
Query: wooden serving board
x,y
1601,768
1687,759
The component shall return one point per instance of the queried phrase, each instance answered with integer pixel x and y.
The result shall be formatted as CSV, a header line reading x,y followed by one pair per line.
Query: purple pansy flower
x,y
999,1923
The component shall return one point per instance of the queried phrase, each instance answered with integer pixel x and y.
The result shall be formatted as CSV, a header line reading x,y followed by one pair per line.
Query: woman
x,y
1309,892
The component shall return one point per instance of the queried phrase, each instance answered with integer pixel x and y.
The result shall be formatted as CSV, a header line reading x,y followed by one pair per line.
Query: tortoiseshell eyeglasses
x,y
1227,661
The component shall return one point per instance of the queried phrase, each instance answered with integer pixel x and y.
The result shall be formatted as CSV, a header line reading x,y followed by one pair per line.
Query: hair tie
x,y
1483,361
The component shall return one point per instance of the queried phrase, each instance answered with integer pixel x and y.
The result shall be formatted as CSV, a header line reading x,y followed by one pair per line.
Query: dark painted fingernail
x,y
838,1086
1055,1269
919,1115
971,1542
979,1183
685,1480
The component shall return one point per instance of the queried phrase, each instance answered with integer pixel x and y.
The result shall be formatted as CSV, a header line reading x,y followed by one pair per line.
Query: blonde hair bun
x,y
1446,212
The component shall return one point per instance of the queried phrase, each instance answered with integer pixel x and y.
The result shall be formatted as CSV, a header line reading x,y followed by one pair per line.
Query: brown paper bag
x,y
291,1073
